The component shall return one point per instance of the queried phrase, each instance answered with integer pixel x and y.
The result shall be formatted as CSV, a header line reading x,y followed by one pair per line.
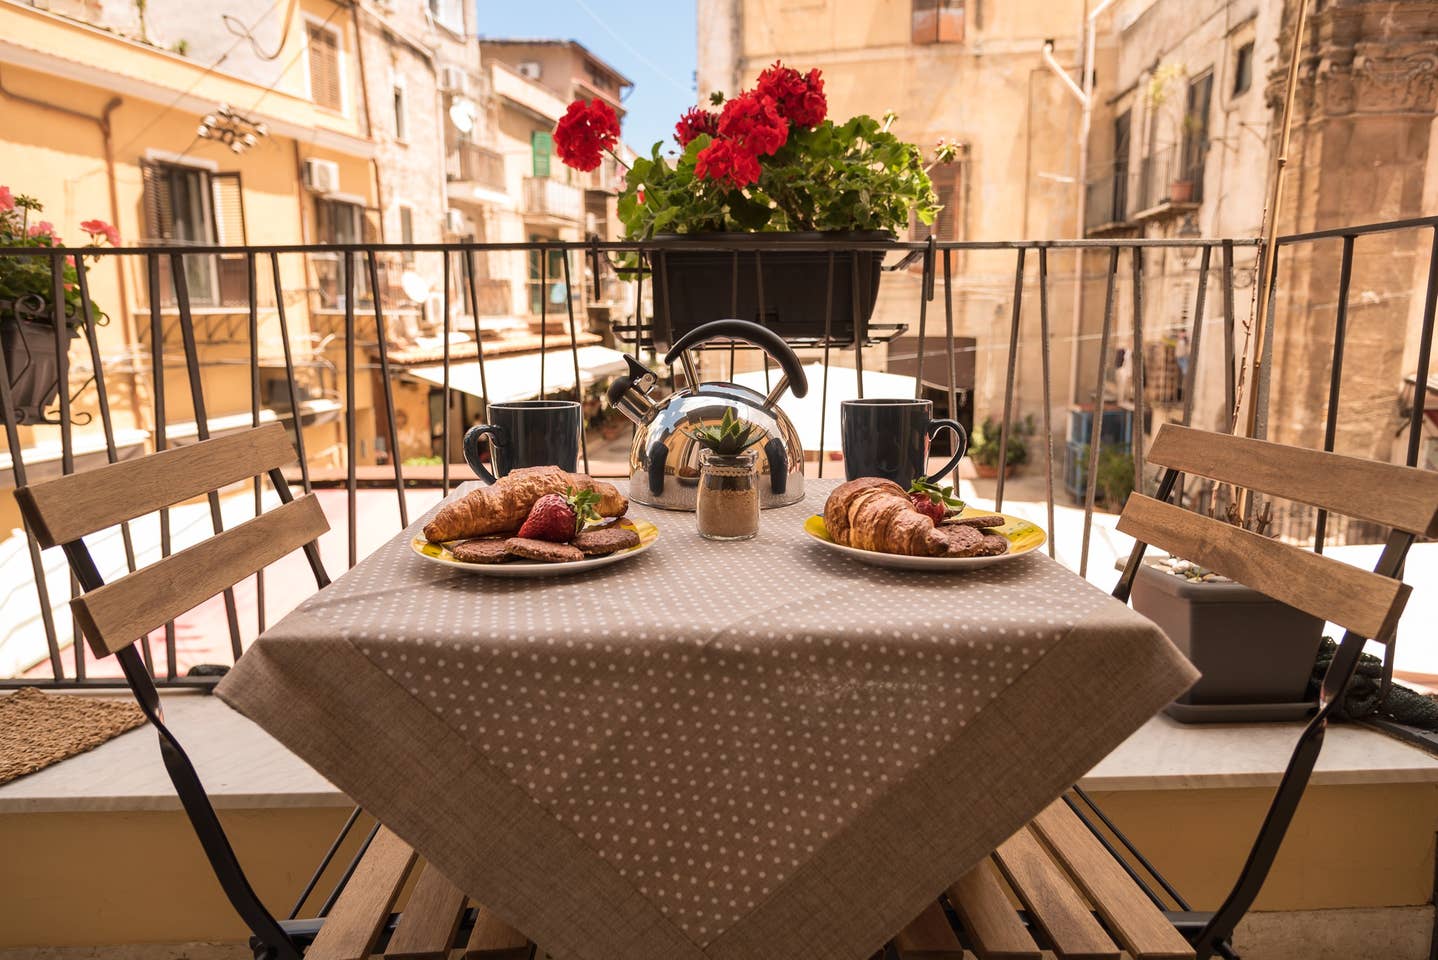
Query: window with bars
x,y
189,205
326,85
937,21
1195,131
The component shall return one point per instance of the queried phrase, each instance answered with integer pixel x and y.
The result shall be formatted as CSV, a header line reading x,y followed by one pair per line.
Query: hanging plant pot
x,y
31,358
695,287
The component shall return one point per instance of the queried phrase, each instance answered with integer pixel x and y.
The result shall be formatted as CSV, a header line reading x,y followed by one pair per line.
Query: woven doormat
x,y
38,728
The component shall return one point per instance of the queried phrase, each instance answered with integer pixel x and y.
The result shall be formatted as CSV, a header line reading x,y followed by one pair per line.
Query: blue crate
x,y
1117,426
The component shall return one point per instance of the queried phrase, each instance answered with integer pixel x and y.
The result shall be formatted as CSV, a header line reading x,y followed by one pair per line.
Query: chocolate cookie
x,y
606,540
988,520
963,541
482,550
992,545
542,550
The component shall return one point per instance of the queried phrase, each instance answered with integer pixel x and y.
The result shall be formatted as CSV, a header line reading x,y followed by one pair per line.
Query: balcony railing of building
x,y
471,163
547,198
1169,177
1119,271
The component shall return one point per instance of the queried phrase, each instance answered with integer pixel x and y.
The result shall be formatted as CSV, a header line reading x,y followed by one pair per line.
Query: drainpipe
x,y
1084,95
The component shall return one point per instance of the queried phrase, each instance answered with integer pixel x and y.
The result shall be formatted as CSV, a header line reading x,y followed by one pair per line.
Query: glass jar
x,y
727,505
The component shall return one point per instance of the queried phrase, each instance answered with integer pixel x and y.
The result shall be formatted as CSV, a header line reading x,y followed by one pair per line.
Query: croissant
x,y
876,514
501,508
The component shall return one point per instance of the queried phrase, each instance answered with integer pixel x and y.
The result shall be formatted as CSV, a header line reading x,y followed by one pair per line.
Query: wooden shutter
x,y
324,51
233,273
937,21
947,225
159,204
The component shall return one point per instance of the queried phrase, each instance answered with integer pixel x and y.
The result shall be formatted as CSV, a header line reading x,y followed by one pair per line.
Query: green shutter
x,y
541,144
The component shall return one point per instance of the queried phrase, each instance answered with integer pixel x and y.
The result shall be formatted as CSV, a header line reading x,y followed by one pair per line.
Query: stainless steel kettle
x,y
664,461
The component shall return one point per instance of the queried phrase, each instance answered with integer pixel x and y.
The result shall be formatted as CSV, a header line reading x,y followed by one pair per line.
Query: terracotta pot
x,y
1180,191
991,471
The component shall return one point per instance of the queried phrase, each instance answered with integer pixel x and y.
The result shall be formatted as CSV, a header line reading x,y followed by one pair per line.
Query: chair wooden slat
x,y
118,613
1384,493
68,508
359,915
429,921
1364,602
1139,925
1051,899
989,917
493,939
929,937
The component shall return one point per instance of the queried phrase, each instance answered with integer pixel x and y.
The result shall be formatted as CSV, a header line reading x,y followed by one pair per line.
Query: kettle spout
x,y
630,394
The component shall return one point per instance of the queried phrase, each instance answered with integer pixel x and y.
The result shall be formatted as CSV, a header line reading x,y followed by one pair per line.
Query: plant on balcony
x,y
27,310
986,442
767,166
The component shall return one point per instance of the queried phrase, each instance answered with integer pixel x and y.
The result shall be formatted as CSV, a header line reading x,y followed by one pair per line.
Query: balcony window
x,y
341,222
401,112
192,205
1243,68
937,21
1122,137
326,85
1195,131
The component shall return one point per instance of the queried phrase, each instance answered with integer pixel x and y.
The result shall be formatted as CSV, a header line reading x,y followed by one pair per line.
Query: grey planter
x,y
33,363
1256,654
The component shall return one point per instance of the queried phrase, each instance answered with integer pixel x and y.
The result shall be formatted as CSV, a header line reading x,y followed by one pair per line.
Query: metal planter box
x,y
1256,653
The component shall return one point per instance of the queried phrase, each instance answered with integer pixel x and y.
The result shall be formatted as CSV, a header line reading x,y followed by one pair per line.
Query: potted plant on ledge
x,y
763,168
27,310
986,441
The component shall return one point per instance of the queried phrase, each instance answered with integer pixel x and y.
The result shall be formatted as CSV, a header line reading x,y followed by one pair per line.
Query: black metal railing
x,y
1063,307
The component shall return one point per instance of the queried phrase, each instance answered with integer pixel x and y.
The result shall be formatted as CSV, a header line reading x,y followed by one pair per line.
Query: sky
x,y
653,44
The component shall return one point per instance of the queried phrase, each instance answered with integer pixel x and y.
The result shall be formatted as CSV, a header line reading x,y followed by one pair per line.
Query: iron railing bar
x,y
160,439
854,318
290,370
925,296
1095,438
1138,372
828,336
1009,377
60,327
387,388
1425,356
1044,355
949,344
544,314
759,286
444,387
472,282
1190,379
254,332
352,532
1264,369
1335,376
574,355
1230,390
1334,233
202,423
733,305
102,397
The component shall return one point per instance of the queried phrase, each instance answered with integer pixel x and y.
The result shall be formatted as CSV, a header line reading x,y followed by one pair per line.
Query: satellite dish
x,y
414,286
462,114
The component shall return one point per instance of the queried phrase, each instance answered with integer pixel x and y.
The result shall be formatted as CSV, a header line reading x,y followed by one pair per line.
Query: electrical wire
x,y
238,29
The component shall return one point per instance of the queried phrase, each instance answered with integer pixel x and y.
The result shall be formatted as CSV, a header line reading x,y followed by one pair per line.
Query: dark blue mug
x,y
890,439
526,433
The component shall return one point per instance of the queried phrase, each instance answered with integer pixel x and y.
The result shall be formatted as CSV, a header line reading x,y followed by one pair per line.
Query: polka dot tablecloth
x,y
745,749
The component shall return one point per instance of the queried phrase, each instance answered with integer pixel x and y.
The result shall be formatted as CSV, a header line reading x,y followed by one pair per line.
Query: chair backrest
x,y
1366,604
113,615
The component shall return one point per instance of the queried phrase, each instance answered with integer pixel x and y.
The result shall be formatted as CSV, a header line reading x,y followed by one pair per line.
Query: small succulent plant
x,y
729,437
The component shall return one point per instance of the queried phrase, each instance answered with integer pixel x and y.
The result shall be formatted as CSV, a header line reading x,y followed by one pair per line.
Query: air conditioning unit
x,y
529,69
322,176
453,79
454,222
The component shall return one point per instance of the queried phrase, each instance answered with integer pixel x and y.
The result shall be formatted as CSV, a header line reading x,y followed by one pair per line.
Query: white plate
x,y
439,553
1024,538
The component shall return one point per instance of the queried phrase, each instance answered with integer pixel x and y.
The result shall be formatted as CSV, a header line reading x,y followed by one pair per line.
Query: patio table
x,y
713,750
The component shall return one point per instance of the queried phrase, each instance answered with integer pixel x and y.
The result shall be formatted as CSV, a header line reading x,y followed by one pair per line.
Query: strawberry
x,y
933,501
557,517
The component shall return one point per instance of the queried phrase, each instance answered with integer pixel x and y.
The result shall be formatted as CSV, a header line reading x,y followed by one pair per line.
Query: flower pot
x,y
1256,654
990,471
693,287
33,364
1180,191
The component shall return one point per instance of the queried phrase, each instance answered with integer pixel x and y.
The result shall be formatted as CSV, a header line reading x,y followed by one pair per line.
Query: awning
x,y
843,385
517,377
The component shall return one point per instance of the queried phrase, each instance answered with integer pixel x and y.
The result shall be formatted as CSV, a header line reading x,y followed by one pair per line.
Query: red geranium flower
x,y
694,122
800,98
7,200
752,120
727,161
99,228
587,129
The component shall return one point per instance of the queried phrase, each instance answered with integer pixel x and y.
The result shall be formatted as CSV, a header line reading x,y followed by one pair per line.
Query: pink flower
x,y
99,228
43,228
7,200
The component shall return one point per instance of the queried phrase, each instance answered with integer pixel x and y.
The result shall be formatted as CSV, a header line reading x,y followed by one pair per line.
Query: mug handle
x,y
962,443
471,448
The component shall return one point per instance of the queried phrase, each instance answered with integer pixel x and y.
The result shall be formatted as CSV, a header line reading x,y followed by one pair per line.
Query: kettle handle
x,y
761,337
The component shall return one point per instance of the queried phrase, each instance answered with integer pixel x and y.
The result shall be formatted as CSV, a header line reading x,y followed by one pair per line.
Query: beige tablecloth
x,y
758,749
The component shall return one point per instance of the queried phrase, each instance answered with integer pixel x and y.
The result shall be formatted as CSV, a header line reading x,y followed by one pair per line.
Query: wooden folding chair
x,y
357,917
1084,889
